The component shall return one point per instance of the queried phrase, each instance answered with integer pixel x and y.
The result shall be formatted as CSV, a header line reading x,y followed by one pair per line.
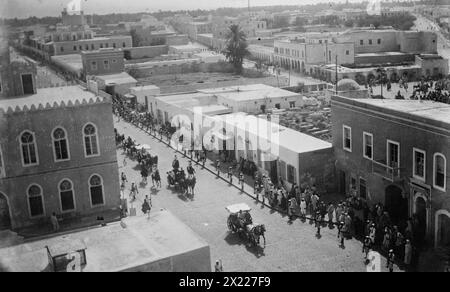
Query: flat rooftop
x,y
190,46
288,138
47,97
381,54
144,87
250,92
114,248
342,69
433,112
73,61
120,78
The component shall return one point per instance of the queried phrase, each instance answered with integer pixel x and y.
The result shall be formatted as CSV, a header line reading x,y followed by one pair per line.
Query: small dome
x,y
347,85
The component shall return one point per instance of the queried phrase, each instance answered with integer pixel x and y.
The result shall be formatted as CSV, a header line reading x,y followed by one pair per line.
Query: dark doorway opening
x,y
27,84
420,219
342,182
396,205
5,219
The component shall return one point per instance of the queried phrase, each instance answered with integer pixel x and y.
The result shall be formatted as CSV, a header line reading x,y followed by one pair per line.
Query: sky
x,y
40,8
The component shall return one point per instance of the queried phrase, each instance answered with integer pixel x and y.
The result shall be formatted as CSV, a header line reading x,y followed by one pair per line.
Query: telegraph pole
x,y
336,90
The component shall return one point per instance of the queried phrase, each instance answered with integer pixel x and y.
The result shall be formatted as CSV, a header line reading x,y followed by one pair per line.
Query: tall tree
x,y
135,38
236,47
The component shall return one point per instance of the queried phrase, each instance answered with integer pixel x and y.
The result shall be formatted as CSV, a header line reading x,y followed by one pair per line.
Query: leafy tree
x,y
236,47
135,38
381,78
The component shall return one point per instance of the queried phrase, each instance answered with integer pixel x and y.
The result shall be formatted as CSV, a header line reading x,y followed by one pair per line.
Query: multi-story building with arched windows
x,y
57,151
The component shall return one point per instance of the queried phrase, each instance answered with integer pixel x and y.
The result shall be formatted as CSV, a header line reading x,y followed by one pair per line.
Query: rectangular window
x,y
419,157
92,47
347,52
362,188
74,48
361,42
291,104
379,41
124,45
393,154
370,42
368,145
347,138
106,64
94,65
101,46
81,48
291,174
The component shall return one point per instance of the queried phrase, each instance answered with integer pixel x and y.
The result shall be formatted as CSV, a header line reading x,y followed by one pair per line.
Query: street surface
x,y
290,247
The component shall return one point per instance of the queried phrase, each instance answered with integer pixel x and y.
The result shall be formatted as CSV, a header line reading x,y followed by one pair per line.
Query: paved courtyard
x,y
290,247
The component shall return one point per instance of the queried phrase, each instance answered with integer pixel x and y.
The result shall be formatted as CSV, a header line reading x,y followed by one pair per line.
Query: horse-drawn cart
x,y
240,221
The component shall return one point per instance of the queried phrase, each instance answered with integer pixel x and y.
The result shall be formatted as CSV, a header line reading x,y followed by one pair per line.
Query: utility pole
x,y
290,72
336,90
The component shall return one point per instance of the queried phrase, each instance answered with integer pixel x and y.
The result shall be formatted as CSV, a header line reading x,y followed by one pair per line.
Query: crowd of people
x,y
352,216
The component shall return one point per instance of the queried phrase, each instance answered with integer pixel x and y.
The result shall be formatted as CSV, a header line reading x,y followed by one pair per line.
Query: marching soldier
x,y
218,167
366,246
341,233
230,174
241,180
390,260
318,222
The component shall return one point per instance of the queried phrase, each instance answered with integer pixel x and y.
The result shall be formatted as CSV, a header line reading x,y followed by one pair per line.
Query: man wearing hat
x,y
341,231
318,222
218,167
218,267
390,260
230,174
367,245
241,180
372,233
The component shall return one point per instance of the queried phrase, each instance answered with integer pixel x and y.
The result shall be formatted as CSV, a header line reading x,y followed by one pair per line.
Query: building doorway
x,y
396,205
442,237
420,219
27,84
5,219
342,182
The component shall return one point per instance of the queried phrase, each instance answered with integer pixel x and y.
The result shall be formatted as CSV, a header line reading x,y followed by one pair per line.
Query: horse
x,y
256,232
190,182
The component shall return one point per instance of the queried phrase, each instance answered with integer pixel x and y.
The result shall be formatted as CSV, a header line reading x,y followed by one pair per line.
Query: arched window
x,y
439,171
28,149
90,140
96,190
35,201
60,144
66,195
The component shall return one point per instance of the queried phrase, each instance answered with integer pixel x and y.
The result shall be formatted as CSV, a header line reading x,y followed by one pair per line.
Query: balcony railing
x,y
380,168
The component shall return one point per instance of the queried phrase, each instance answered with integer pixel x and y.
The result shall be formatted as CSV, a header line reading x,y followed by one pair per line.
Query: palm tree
x,y
381,78
236,47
